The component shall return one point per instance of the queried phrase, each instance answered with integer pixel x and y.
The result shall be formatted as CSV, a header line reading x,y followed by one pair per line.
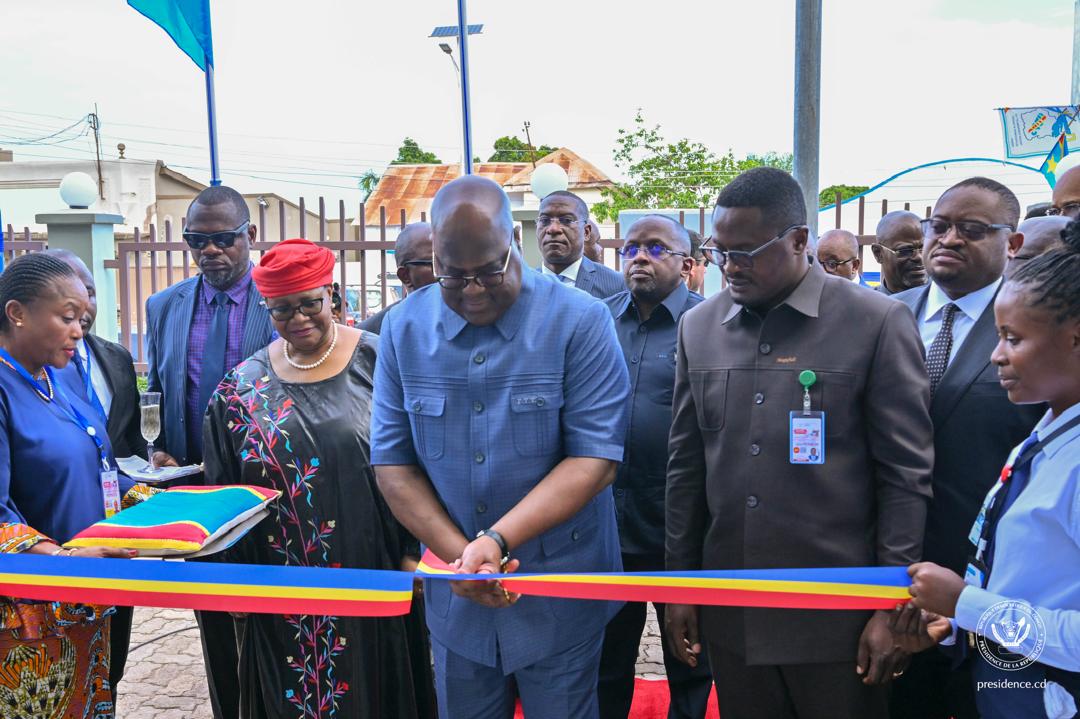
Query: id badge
x,y
807,438
110,488
974,576
976,529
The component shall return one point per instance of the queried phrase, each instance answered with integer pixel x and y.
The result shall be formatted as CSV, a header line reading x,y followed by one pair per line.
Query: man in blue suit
x,y
562,229
498,422
197,330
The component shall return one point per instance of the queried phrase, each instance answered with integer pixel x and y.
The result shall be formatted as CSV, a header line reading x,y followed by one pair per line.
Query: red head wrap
x,y
293,266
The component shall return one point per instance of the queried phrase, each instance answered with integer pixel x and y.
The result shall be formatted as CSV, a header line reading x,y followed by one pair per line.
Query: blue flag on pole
x,y
187,22
1056,155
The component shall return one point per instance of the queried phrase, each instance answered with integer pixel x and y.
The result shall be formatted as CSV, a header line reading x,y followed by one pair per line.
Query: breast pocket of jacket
x,y
833,392
535,417
709,387
428,415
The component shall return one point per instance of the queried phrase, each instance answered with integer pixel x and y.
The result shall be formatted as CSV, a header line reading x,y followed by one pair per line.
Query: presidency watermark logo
x,y
1010,635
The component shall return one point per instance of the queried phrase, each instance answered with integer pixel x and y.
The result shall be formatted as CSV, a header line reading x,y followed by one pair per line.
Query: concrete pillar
x,y
531,250
89,235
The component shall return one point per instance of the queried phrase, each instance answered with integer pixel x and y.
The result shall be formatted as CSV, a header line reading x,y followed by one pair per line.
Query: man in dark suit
x,y
745,491
562,229
966,241
412,253
656,255
197,330
899,252
103,372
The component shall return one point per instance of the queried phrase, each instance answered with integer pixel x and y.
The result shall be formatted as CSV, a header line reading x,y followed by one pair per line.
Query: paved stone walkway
x,y
164,678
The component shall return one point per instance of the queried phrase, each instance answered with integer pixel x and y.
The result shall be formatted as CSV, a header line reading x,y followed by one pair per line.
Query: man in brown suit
x,y
735,500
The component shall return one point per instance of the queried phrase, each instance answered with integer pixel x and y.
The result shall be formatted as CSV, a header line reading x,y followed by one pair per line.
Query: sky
x,y
311,95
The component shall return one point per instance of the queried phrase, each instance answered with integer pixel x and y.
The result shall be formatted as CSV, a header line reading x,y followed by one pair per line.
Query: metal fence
x,y
148,262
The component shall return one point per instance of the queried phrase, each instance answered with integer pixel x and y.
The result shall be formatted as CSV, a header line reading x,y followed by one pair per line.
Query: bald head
x,y
1041,234
472,232
469,202
838,253
87,278
899,226
1067,194
413,243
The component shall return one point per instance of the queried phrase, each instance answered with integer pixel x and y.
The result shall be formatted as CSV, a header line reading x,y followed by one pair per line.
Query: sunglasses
x,y
221,240
742,260
654,249
903,253
934,228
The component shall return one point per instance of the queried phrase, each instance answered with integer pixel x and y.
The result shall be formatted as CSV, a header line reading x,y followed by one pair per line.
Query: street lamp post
x,y
462,31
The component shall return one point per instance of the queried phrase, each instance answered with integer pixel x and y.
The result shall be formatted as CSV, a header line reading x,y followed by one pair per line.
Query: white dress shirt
x,y
97,377
971,307
570,273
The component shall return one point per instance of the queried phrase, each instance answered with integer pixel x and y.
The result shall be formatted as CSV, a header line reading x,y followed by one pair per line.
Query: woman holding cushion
x,y
57,475
295,417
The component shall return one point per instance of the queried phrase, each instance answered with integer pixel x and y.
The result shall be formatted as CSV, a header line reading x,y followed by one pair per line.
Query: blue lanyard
x,y
69,411
91,395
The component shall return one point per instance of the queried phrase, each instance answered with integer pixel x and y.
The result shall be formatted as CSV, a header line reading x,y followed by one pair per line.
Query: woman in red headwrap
x,y
295,416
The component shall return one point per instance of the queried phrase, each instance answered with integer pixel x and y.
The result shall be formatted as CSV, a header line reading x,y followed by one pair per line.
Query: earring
x,y
18,324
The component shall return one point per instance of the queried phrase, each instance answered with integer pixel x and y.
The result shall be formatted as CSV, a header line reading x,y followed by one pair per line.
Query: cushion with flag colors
x,y
178,521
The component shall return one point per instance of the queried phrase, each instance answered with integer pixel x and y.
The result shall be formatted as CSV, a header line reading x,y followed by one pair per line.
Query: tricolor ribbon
x,y
376,593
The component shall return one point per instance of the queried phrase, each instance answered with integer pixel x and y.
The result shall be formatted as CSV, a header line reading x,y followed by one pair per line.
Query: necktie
x,y
937,357
83,365
213,359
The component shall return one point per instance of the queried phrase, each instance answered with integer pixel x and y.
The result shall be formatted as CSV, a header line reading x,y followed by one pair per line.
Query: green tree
x,y
828,195
411,153
783,160
367,183
511,149
662,174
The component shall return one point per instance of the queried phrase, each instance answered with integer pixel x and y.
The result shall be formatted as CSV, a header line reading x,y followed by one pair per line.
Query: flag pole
x,y
466,112
211,118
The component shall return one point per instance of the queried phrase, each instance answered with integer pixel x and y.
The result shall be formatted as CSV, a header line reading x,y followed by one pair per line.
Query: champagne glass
x,y
150,422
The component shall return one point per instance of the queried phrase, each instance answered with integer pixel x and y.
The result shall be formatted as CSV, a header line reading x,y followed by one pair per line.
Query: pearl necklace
x,y
316,363
45,376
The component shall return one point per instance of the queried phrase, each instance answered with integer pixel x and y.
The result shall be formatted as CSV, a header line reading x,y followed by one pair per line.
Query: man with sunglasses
x,y
197,330
655,256
838,253
498,422
749,484
899,252
966,242
563,230
412,253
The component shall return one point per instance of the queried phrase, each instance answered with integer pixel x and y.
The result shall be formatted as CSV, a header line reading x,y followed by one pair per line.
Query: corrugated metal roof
x,y
412,187
581,172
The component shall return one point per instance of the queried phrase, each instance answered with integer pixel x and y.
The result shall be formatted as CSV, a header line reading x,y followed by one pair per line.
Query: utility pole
x,y
532,150
95,125
808,103
1076,54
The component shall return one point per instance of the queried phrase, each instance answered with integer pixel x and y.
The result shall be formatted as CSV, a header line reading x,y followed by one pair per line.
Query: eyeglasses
x,y
902,253
1069,209
564,220
742,260
222,240
411,263
654,249
971,230
482,279
831,265
308,308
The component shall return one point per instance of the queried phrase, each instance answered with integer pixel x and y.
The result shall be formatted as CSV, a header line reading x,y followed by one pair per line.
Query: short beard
x,y
221,279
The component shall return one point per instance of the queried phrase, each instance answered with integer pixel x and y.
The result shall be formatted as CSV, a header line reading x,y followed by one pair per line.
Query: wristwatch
x,y
498,540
